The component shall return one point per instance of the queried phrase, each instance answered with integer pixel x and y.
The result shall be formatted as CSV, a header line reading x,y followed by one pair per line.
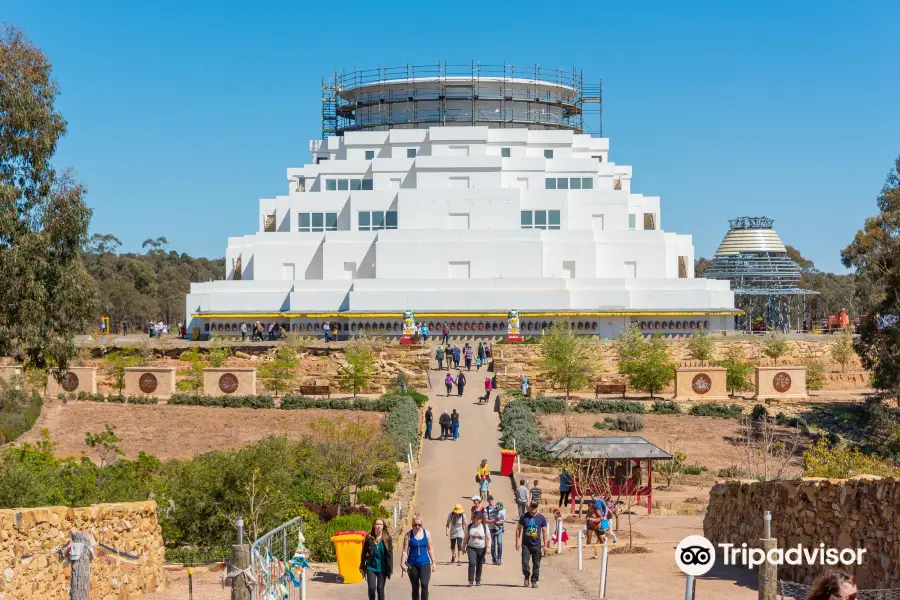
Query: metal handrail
x,y
283,531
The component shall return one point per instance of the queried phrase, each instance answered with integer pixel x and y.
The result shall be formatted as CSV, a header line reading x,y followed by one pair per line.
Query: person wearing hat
x,y
456,531
476,506
494,522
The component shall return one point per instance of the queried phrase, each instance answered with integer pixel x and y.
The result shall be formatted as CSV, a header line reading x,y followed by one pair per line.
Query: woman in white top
x,y
477,544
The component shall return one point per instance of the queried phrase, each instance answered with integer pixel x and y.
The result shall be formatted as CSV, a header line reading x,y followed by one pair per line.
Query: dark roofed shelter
x,y
626,452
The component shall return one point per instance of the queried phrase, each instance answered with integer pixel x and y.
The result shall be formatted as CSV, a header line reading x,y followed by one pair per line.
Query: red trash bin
x,y
507,462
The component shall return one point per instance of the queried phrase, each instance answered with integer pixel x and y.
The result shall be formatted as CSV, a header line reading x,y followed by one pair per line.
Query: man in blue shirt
x,y
531,538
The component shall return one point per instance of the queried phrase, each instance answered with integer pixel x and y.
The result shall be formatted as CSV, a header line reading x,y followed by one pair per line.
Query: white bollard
x,y
400,509
580,549
302,584
559,529
409,462
603,559
395,516
410,449
518,462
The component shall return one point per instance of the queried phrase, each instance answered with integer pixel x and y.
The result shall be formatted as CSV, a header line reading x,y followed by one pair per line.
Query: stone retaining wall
x,y
512,359
129,527
862,512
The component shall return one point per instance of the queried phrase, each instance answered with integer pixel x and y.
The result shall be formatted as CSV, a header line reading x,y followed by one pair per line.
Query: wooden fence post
x,y
80,586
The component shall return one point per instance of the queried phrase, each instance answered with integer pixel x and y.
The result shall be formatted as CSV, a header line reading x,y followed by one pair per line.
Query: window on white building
x,y
548,153
310,222
568,268
540,219
632,221
375,220
569,183
370,154
332,185
630,269
410,153
504,152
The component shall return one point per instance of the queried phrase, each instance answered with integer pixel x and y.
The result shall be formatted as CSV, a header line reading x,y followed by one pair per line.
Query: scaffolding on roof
x,y
499,96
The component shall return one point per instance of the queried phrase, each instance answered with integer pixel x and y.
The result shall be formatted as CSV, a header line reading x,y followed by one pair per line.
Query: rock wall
x,y
30,569
512,359
863,512
319,366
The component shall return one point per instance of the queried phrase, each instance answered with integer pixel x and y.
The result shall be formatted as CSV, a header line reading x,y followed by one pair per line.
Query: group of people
x,y
454,355
259,331
329,331
449,424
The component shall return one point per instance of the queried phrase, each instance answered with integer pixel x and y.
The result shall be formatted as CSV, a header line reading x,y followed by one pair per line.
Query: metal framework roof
x,y
611,447
754,259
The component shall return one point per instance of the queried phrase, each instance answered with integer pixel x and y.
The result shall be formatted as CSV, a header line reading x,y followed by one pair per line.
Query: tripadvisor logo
x,y
696,555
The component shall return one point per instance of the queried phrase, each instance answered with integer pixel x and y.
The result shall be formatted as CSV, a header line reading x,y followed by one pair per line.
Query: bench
x,y
315,390
610,388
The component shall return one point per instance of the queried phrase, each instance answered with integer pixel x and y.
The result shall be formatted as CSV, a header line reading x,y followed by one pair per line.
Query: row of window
x,y
540,219
569,183
377,219
335,185
309,222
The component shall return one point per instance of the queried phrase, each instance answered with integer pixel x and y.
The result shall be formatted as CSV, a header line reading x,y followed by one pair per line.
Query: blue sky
x,y
183,114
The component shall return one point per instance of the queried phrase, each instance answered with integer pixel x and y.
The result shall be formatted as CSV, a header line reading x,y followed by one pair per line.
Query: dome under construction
x,y
754,259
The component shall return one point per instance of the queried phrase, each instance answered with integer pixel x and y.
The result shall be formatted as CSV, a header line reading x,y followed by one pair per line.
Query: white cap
x,y
475,498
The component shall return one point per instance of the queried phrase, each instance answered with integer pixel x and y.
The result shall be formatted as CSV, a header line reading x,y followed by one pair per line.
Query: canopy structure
x,y
612,447
623,455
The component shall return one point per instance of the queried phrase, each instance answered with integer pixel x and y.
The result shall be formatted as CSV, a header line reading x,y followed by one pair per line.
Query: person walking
x,y
476,507
243,332
468,354
456,531
326,329
531,538
429,419
425,332
565,488
454,424
488,386
439,355
377,559
834,584
446,333
448,381
487,350
522,497
525,384
494,522
480,353
536,494
460,383
483,476
418,558
477,543
445,425
456,357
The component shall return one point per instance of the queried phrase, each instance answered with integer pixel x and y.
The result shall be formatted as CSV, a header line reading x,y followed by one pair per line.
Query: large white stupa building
x,y
460,196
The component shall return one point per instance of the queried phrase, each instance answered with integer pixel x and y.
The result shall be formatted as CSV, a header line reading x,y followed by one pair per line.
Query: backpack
x,y
461,380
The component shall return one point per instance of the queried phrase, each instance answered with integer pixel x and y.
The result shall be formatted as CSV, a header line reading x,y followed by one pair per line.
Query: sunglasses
x,y
417,524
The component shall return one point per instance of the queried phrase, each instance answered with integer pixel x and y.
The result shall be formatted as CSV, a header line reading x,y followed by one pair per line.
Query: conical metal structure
x,y
753,257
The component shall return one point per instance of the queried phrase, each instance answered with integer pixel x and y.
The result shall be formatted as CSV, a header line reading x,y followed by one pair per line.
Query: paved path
x,y
447,477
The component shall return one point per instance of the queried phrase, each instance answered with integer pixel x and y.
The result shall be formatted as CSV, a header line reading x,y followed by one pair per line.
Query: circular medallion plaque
x,y
148,383
69,382
228,383
701,383
781,382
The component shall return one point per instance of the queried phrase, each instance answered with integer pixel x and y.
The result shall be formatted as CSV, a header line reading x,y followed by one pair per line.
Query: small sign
x,y
195,334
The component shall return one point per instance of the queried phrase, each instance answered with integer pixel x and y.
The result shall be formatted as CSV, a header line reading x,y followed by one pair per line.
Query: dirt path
x,y
447,474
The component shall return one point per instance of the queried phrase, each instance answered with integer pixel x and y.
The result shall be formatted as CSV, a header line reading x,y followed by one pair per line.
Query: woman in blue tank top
x,y
418,558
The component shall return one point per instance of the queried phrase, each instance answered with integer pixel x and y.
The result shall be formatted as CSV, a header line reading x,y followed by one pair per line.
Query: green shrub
x,y
629,423
609,406
223,401
370,497
322,547
142,400
731,473
383,404
402,425
389,480
715,409
116,398
190,555
693,469
542,405
665,407
18,412
517,423
759,413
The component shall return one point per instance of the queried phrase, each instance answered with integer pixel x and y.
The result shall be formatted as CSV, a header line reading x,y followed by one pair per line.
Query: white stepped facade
x,y
459,222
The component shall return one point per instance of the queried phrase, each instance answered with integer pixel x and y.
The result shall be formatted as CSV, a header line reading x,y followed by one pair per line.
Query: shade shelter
x,y
620,460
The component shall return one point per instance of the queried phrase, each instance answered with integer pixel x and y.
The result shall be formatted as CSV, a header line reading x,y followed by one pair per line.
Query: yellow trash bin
x,y
348,548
